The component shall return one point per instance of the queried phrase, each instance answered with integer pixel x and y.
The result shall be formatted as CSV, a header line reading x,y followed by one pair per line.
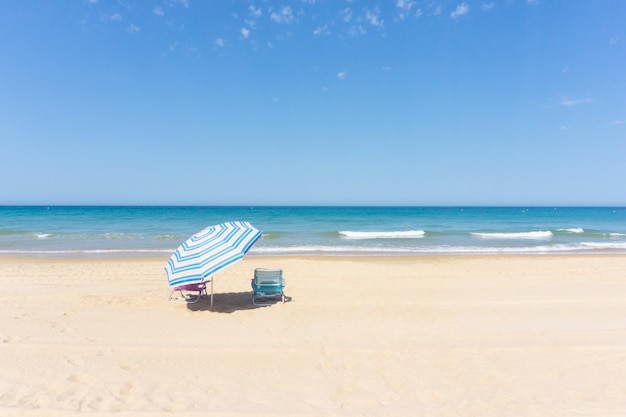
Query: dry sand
x,y
423,336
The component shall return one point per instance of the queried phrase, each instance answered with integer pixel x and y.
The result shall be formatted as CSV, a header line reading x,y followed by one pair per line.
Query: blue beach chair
x,y
266,284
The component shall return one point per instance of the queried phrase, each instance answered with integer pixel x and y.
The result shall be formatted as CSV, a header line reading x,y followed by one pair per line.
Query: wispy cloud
x,y
115,17
373,17
356,30
133,29
158,11
285,15
219,42
254,12
460,10
618,122
404,8
346,14
566,101
322,30
341,75
488,6
245,32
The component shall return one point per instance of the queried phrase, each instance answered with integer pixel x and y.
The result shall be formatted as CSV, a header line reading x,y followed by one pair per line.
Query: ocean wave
x,y
70,252
589,247
406,234
573,230
605,245
617,234
515,235
268,235
167,237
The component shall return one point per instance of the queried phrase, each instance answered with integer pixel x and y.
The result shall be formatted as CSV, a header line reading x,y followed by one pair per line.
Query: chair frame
x,y
186,292
268,283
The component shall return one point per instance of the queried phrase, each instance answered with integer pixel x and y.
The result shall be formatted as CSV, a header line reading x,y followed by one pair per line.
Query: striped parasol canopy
x,y
209,251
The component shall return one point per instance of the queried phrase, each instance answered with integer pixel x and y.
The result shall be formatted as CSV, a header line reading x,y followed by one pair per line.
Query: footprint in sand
x,y
105,352
128,388
81,378
10,339
75,361
129,366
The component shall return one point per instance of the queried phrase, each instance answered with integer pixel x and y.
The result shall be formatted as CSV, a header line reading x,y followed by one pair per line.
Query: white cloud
x,y
404,8
565,101
356,30
618,122
373,17
346,14
255,12
285,15
133,29
405,4
245,32
488,6
341,75
460,10
184,3
322,30
158,11
115,17
219,42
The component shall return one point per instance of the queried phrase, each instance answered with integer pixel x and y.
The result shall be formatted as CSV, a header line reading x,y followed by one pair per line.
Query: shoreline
x,y
489,335
165,256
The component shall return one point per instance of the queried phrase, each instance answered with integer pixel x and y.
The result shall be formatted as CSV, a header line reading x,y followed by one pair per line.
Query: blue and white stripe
x,y
209,251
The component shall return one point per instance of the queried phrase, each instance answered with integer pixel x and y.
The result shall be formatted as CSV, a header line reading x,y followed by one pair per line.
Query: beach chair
x,y
191,293
267,284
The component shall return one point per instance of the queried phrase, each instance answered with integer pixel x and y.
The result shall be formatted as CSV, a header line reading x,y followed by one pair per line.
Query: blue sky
x,y
313,102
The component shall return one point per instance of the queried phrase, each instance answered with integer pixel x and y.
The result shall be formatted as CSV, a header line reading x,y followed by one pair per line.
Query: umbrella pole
x,y
211,292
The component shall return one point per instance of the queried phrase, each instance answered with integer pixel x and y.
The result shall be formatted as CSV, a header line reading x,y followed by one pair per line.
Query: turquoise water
x,y
140,231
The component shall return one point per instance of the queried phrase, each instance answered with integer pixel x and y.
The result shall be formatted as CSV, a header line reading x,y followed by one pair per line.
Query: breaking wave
x,y
407,234
516,235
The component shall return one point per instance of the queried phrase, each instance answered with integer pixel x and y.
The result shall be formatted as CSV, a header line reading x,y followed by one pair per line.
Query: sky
x,y
313,102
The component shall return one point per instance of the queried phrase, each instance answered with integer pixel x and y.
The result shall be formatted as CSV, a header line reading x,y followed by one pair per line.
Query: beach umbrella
x,y
208,252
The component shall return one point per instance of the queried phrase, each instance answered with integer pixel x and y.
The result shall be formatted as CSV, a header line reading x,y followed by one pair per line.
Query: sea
x,y
134,231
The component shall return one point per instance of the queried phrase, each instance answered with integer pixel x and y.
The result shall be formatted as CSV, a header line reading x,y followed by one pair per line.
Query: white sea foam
x,y
517,235
406,234
605,245
42,235
573,230
329,250
617,234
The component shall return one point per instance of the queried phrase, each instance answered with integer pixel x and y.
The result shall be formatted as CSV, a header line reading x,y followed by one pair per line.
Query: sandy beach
x,y
433,336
